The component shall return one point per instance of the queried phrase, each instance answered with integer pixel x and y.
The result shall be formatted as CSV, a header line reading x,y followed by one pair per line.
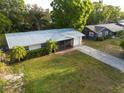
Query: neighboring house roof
x,y
38,37
112,27
121,22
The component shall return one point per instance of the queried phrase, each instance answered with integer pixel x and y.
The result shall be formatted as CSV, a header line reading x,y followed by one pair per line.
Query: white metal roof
x,y
39,37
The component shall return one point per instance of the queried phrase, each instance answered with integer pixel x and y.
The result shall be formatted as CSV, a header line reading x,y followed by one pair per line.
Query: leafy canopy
x,y
71,13
18,53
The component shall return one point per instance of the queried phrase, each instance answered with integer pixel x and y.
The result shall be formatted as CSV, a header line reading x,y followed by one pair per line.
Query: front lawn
x,y
71,73
111,46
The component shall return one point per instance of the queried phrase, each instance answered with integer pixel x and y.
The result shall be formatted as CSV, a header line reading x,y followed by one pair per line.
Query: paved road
x,y
103,57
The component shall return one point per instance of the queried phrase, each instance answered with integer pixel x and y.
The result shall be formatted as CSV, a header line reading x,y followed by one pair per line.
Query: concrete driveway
x,y
103,57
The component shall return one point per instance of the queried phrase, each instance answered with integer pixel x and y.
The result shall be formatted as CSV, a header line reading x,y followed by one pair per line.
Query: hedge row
x,y
36,53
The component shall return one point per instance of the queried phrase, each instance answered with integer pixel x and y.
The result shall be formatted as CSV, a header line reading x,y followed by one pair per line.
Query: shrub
x,y
100,38
122,44
2,56
121,34
35,53
50,46
17,53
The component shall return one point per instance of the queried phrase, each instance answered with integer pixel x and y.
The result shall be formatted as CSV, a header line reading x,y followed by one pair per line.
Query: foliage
x,y
17,17
2,56
18,53
103,14
122,44
71,13
121,34
35,53
5,23
14,11
36,18
50,46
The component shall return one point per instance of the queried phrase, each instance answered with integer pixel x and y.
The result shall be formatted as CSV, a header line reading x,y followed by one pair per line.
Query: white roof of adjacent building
x,y
39,37
112,27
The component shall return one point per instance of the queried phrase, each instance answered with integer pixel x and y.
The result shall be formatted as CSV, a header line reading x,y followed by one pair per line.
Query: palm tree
x,y
51,46
18,53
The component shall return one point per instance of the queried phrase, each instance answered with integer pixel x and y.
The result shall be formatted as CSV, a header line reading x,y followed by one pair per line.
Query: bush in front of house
x,y
2,56
17,53
122,44
36,53
50,46
100,38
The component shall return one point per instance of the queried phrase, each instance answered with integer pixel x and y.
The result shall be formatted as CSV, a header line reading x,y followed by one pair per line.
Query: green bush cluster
x,y
122,44
121,34
103,38
36,53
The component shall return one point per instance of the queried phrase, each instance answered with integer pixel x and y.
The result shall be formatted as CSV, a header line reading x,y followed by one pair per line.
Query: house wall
x,y
89,34
77,41
92,35
33,47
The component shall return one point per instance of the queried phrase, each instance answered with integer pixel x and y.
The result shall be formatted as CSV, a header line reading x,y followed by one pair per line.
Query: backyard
x,y
73,72
110,46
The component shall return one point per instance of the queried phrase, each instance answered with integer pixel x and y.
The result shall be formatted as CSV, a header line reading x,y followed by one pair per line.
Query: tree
x,y
50,46
18,53
71,13
37,18
13,10
2,56
5,23
103,14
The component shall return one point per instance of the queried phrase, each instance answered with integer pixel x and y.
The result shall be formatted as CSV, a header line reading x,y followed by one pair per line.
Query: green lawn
x,y
71,73
111,46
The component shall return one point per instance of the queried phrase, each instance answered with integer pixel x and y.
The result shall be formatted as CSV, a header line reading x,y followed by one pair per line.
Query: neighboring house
x,y
102,30
66,38
121,23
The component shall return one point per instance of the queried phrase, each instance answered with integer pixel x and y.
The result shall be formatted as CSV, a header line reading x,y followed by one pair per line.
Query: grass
x,y
71,73
111,46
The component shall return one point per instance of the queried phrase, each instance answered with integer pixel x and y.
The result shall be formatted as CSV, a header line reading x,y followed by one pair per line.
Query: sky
x,y
46,3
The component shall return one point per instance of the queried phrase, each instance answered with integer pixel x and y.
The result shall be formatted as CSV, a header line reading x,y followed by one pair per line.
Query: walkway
x,y
103,57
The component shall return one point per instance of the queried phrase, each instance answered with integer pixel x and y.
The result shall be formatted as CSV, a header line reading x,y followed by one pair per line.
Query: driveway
x,y
103,57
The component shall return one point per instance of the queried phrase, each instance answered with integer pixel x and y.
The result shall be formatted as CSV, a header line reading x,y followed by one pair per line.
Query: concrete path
x,y
103,57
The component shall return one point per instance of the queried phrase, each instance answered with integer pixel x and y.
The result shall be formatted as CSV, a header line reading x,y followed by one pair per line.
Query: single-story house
x,y
65,38
121,23
101,30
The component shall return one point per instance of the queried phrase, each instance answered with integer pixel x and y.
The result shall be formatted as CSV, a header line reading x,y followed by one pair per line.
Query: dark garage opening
x,y
66,44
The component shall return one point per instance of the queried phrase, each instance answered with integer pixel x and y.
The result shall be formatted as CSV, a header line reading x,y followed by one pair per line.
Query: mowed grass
x,y
111,46
71,73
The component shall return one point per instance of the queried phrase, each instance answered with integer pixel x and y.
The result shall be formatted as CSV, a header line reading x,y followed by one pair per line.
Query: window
x,y
91,34
106,33
100,34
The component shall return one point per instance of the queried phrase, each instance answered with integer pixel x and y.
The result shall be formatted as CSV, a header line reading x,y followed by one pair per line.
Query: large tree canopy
x,y
14,11
103,14
71,13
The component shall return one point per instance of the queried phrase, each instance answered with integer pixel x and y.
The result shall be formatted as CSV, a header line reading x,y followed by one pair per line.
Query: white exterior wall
x,y
77,41
33,47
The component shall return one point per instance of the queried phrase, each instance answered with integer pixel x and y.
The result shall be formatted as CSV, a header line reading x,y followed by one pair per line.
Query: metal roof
x,y
112,27
39,37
